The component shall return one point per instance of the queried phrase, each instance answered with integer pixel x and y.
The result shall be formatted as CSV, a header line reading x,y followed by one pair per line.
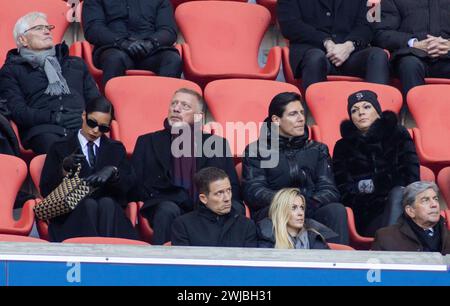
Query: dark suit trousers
x,y
114,62
412,70
372,64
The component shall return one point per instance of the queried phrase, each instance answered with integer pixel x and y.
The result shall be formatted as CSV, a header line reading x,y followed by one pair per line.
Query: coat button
x,y
328,14
60,98
334,35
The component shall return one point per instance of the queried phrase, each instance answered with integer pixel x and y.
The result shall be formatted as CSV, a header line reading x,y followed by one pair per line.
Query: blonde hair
x,y
280,212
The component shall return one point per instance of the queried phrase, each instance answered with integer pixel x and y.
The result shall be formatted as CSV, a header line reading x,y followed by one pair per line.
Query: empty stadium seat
x,y
327,102
176,3
222,40
364,243
17,238
10,11
239,174
104,240
443,181
141,104
429,106
36,166
12,175
241,100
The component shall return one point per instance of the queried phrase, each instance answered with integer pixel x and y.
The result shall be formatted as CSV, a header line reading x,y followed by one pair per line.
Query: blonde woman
x,y
287,228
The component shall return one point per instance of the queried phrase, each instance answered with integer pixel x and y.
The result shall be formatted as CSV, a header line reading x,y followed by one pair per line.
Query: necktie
x,y
429,232
91,154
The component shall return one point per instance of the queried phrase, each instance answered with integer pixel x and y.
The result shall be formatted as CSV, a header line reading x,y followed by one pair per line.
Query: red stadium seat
x,y
10,11
443,181
26,154
244,101
13,174
97,73
104,240
239,174
141,104
429,106
340,247
176,3
16,238
36,166
223,39
327,102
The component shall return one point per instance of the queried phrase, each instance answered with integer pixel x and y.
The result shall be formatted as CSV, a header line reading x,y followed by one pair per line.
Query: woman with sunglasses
x,y
104,166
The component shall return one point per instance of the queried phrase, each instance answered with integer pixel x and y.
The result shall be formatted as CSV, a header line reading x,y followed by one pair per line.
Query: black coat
x,y
401,237
303,163
307,23
106,22
402,20
152,162
317,234
23,88
110,153
386,155
203,227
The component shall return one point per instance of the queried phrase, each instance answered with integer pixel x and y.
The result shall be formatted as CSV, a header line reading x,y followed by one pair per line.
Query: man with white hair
x,y
421,228
45,89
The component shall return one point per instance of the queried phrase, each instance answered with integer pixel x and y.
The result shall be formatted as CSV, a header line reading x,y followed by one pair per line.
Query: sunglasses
x,y
41,28
93,124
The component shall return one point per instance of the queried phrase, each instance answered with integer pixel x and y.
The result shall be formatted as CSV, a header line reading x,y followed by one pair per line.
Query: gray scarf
x,y
57,84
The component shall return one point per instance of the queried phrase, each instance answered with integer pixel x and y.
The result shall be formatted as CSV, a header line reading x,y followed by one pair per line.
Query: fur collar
x,y
382,128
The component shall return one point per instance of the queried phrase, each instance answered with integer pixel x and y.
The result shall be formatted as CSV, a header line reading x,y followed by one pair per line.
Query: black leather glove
x,y
70,119
147,45
102,177
72,161
136,49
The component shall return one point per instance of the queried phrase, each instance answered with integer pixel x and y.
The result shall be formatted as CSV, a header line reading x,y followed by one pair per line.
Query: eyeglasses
x,y
93,124
41,28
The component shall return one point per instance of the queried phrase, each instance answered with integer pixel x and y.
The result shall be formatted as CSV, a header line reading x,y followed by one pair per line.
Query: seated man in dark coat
x,y
135,34
283,157
45,89
421,228
104,165
417,34
331,37
215,222
166,161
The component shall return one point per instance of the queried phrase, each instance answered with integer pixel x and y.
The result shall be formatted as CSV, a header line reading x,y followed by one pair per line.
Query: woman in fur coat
x,y
373,161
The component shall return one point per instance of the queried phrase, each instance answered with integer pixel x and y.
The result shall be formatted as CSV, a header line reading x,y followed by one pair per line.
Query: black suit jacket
x,y
152,162
307,23
110,153
402,20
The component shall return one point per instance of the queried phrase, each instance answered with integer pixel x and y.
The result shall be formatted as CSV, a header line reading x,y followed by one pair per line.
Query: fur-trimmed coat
x,y
386,154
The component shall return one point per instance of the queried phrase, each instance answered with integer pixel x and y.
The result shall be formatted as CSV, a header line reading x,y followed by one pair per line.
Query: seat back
x,y
36,166
18,238
429,106
327,102
241,103
340,247
12,175
11,11
426,174
104,240
223,36
443,181
141,104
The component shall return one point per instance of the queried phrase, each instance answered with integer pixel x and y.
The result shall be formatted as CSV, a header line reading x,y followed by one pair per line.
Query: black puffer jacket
x,y
23,88
106,22
318,234
386,154
303,163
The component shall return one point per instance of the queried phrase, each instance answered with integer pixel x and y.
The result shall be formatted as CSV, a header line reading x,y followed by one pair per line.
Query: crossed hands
x,y
338,53
434,46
